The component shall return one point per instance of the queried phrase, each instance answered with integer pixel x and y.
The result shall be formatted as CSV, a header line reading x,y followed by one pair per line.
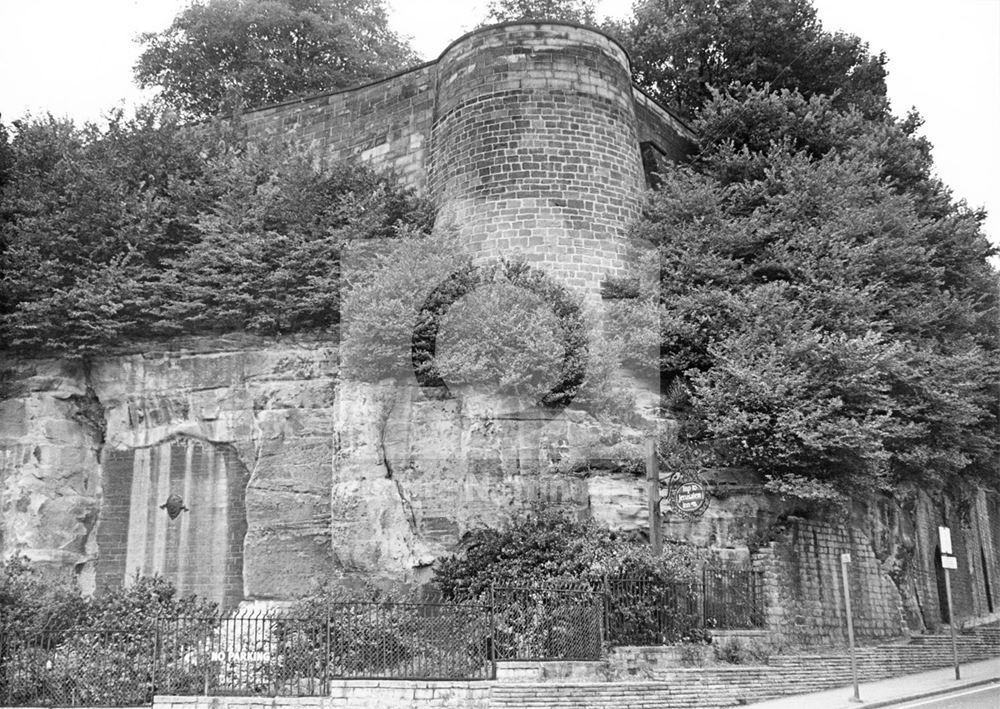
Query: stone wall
x,y
535,148
525,136
385,124
354,694
805,590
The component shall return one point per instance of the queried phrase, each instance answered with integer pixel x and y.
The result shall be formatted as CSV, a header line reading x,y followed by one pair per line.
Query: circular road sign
x,y
690,497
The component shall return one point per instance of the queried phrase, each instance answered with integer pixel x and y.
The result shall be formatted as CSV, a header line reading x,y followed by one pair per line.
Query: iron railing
x,y
273,653
732,597
547,622
641,611
76,667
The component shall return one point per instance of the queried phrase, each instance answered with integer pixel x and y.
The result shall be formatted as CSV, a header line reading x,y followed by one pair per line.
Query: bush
x,y
333,631
542,547
32,601
61,648
418,305
745,651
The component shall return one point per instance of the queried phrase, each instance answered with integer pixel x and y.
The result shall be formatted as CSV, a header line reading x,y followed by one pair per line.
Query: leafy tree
x,y
831,311
581,11
221,54
151,229
6,157
682,48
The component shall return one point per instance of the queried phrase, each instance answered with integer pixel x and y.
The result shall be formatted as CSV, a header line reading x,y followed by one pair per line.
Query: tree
x,y
153,229
221,54
682,48
581,11
831,312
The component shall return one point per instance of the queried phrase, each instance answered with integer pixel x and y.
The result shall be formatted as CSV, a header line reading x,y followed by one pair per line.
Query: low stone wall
x,y
732,685
354,694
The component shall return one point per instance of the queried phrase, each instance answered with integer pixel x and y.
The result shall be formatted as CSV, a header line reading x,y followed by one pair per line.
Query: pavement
x,y
887,692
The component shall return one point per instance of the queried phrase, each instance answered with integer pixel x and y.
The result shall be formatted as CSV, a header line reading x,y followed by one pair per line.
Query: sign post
x,y
653,484
949,562
845,559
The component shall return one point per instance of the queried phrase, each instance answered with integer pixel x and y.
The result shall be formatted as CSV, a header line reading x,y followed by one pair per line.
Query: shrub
x,y
62,648
541,547
341,633
32,601
745,651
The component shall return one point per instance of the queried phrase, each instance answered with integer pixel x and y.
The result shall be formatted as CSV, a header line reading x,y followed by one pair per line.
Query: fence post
x,y
156,652
326,658
704,595
491,650
605,613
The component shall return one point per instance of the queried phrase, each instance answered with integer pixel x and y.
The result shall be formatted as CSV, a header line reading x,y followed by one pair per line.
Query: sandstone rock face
x,y
286,475
49,462
240,429
415,473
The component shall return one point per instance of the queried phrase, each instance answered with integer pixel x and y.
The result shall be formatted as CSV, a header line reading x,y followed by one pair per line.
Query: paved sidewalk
x,y
875,694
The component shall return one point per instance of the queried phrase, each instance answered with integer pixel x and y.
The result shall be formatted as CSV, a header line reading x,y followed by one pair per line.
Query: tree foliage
x,y
221,54
832,312
150,229
581,11
32,600
680,49
542,547
418,305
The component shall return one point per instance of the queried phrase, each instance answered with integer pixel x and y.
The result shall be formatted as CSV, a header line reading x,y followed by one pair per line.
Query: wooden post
x,y
653,484
845,559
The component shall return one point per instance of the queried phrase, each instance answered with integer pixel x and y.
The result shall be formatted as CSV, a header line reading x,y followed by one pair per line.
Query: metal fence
x,y
257,654
650,612
275,654
732,597
574,621
547,622
76,667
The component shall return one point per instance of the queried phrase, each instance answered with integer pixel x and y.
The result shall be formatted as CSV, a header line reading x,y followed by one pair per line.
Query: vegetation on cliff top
x,y
830,312
152,229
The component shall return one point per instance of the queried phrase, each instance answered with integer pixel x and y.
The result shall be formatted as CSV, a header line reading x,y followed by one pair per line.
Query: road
x,y
987,697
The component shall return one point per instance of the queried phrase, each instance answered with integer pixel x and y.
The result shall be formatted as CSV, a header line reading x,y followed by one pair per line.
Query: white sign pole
x,y
845,559
949,562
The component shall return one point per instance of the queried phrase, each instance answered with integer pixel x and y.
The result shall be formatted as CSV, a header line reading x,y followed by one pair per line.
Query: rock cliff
x,y
286,475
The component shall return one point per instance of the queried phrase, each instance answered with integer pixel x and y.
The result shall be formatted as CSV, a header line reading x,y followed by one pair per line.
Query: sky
x,y
74,58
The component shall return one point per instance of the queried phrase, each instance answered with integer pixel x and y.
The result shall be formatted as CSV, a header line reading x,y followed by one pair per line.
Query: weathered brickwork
x,y
805,591
201,548
535,148
385,124
975,533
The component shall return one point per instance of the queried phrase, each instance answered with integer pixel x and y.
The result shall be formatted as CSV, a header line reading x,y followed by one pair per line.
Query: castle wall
x,y
531,140
385,125
535,148
525,136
